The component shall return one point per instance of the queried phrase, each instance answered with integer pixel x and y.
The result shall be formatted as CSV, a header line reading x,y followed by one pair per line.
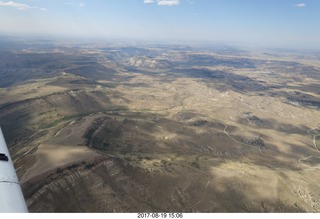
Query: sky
x,y
293,23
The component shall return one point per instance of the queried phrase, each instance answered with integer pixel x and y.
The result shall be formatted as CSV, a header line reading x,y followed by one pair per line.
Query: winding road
x,y
235,140
316,147
314,138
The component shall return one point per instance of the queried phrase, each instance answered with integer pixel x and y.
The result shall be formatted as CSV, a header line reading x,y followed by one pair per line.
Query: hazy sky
x,y
278,22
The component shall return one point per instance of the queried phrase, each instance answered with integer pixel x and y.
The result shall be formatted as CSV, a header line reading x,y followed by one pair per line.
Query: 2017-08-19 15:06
x,y
160,215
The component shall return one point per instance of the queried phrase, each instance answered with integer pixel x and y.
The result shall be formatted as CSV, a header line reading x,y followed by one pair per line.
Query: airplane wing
x,y
11,197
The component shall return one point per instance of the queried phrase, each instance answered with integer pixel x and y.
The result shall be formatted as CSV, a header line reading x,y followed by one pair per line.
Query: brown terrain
x,y
110,128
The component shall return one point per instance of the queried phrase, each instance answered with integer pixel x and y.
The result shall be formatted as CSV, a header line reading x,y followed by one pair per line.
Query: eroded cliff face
x,y
106,184
135,183
109,184
80,187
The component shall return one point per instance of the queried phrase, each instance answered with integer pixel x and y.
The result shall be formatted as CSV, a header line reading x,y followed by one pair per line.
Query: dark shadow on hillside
x,y
94,71
127,186
254,121
18,68
311,87
224,80
24,118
